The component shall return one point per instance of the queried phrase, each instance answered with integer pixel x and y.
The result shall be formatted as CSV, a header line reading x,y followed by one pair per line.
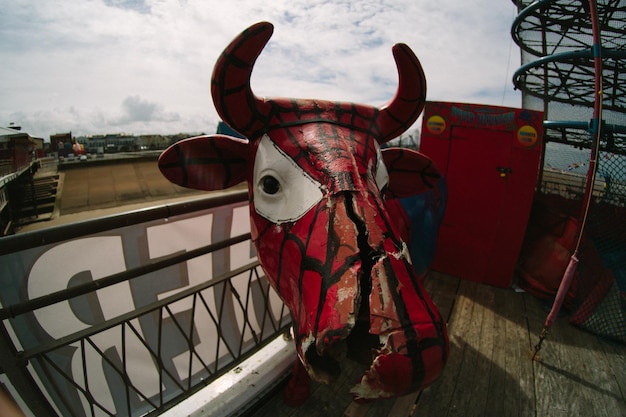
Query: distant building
x,y
58,141
64,143
152,142
108,143
17,162
17,150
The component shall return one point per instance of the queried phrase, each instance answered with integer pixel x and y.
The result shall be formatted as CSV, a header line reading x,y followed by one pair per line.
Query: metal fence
x,y
127,315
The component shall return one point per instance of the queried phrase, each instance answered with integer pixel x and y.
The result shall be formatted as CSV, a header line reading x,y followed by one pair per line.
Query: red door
x,y
478,170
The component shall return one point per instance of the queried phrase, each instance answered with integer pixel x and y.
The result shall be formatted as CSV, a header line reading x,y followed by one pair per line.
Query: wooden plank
x,y
589,371
470,392
490,358
437,399
404,406
357,409
502,373
552,393
521,395
484,349
574,375
442,289
381,408
616,358
557,394
499,375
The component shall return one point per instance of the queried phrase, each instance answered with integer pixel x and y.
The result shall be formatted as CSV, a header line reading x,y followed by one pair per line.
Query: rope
x,y
591,178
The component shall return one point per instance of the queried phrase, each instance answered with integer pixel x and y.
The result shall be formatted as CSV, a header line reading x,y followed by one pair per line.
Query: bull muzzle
x,y
378,314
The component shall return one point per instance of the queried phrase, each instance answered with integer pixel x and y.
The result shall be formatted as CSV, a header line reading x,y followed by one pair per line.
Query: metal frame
x,y
545,27
577,134
567,77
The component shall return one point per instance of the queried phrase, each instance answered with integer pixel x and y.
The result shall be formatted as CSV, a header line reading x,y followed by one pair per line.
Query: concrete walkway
x,y
103,186
96,190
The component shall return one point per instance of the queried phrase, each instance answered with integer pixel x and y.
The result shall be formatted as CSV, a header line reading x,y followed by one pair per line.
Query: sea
x,y
567,158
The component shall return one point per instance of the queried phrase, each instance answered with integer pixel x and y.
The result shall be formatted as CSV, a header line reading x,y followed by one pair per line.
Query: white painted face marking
x,y
283,192
382,176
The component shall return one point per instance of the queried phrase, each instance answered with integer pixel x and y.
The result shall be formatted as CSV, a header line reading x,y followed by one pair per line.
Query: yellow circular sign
x,y
436,125
527,136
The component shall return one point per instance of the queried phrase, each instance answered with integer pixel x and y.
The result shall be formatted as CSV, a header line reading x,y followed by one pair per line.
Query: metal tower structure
x,y
557,73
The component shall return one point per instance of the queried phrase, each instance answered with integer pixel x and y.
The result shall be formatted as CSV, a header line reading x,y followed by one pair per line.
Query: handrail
x,y
64,295
523,14
54,234
562,124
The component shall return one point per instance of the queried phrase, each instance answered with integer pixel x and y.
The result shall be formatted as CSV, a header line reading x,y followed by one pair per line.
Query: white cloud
x,y
102,65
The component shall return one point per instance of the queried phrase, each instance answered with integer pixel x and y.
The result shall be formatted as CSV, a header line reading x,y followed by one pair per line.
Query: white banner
x,y
132,368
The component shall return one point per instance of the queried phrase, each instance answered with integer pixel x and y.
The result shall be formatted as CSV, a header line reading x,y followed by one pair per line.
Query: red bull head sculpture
x,y
326,221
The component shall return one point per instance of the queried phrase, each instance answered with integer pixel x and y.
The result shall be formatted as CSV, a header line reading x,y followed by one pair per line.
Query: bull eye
x,y
270,184
283,191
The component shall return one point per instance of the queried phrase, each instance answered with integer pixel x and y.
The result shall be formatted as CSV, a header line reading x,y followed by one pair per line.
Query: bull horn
x,y
230,83
403,110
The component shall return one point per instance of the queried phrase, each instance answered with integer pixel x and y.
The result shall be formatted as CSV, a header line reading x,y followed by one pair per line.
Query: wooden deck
x,y
490,371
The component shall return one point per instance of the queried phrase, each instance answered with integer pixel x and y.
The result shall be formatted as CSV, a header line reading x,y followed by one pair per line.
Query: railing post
x,y
15,369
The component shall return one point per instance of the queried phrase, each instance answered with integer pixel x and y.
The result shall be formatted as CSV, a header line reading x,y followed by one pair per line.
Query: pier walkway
x,y
490,371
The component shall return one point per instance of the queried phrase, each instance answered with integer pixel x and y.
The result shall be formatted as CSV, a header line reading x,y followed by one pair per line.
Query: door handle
x,y
504,171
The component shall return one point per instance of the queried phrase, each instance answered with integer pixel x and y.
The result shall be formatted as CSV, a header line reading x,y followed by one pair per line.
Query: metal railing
x,y
572,187
85,350
6,167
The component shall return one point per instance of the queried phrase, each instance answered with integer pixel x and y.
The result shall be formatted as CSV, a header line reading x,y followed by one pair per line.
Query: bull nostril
x,y
326,368
362,345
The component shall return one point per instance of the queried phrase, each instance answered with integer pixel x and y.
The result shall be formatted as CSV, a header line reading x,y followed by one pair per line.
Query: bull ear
x,y
208,163
410,172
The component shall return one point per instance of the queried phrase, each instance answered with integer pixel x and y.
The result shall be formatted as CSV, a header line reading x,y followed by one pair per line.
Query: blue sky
x,y
106,66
